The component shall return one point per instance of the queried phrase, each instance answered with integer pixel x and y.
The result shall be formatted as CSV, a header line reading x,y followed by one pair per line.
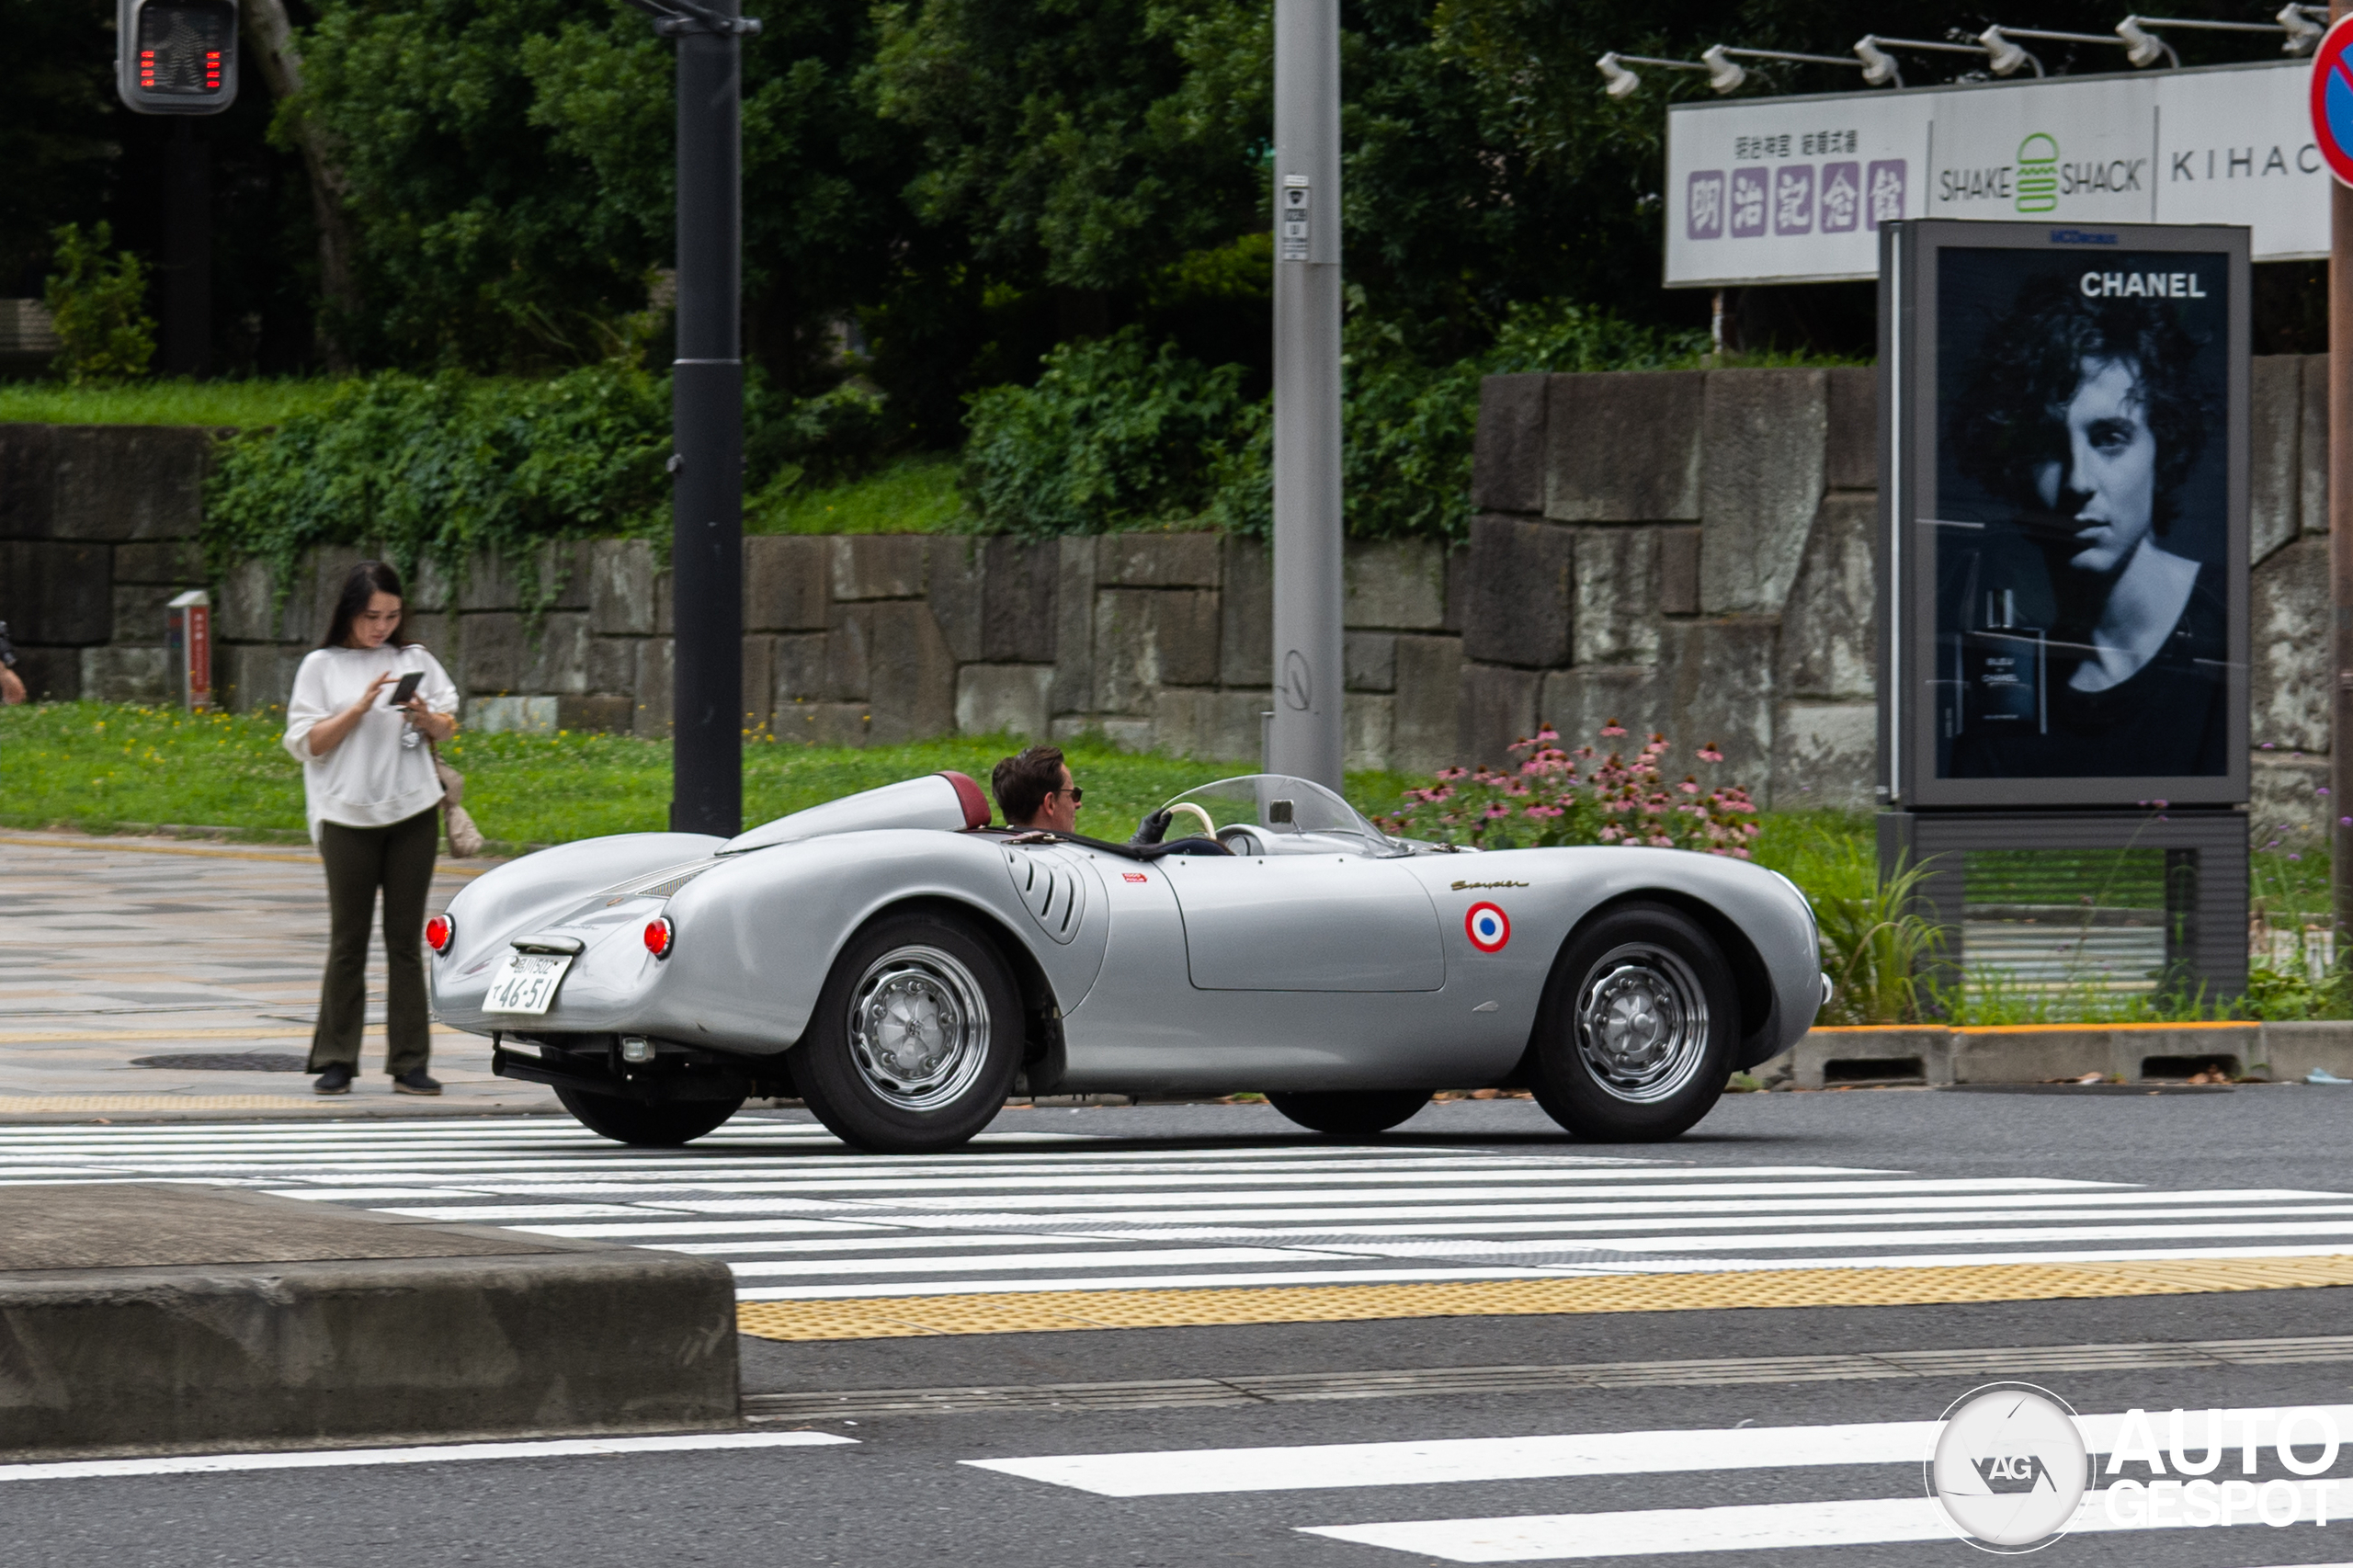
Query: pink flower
x,y
1611,729
1709,753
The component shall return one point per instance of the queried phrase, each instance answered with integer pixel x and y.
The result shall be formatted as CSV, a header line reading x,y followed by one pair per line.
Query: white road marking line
x,y
438,1453
1238,1204
1756,1527
1613,1267
1776,1241
1172,1258
1799,1212
505,1213
1322,1466
872,1243
1127,1282
1188,1471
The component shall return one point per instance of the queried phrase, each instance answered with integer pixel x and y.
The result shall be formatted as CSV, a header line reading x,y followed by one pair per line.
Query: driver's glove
x,y
1153,829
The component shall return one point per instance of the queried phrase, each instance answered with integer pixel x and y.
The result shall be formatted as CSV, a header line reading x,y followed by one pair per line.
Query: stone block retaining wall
x,y
1691,551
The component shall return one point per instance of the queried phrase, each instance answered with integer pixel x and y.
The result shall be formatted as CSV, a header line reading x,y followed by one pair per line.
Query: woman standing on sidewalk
x,y
373,799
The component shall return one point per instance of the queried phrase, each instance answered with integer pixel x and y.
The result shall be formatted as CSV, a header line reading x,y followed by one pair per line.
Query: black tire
x,y
856,1065
1351,1113
1634,1038
651,1126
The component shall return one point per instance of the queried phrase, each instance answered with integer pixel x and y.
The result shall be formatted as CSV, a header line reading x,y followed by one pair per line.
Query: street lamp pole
x,y
707,420
1305,739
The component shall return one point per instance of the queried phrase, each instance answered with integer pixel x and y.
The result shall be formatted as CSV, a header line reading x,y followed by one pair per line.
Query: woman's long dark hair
x,y
363,582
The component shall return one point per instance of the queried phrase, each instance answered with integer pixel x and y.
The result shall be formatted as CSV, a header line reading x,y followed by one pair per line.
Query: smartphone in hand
x,y
405,689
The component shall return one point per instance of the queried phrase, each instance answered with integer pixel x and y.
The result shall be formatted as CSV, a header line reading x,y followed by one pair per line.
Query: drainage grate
x,y
1286,1388
235,1061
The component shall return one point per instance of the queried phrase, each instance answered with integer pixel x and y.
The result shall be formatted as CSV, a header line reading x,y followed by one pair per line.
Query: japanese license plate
x,y
525,983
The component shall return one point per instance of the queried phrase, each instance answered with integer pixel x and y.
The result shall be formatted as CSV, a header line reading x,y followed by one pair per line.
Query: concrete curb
x,y
1936,1054
517,1336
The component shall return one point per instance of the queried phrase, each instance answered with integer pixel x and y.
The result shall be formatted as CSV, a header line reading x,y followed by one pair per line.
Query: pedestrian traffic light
x,y
176,56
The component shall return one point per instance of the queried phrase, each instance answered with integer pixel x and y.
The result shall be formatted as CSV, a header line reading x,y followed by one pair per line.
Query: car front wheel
x,y
1635,1038
916,1036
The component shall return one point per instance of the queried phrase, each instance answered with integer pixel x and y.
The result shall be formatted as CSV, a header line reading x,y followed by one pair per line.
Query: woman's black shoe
x,y
335,1080
415,1081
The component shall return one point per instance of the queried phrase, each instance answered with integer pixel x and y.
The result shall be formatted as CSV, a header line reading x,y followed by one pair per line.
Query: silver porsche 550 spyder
x,y
902,966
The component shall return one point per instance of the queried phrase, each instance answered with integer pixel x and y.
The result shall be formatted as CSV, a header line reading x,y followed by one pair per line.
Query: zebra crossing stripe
x,y
1195,1472
1042,1229
1749,1526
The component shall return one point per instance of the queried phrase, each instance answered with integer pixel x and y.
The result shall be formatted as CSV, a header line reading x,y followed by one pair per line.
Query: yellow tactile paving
x,y
900,1317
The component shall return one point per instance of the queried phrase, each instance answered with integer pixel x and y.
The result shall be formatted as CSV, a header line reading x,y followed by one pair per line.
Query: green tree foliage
x,y
53,126
1113,436
100,301
511,161
1059,137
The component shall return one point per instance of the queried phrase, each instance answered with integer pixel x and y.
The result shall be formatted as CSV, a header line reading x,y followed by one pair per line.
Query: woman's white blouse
x,y
371,781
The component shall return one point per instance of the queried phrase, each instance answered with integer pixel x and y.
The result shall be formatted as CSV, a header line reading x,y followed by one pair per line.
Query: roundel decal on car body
x,y
1488,927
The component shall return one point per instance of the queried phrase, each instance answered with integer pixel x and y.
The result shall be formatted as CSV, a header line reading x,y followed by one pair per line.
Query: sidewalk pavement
x,y
128,949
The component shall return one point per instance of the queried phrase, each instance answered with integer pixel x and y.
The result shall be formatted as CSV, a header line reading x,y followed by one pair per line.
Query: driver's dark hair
x,y
1022,782
2012,414
361,583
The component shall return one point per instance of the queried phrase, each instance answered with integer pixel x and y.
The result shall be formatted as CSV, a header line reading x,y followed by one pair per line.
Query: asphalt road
x,y
905,1491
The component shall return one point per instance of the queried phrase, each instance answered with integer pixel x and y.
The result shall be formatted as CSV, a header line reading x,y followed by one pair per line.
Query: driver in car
x,y
1034,790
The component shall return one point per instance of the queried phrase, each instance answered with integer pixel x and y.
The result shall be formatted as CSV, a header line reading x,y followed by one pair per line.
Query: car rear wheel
x,y
1635,1038
655,1126
916,1036
1351,1113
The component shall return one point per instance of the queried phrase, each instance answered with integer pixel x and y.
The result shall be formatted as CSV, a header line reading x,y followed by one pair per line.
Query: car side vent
x,y
1052,889
659,884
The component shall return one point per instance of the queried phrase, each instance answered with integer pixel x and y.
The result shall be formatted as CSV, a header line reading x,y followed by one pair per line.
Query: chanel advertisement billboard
x,y
2065,591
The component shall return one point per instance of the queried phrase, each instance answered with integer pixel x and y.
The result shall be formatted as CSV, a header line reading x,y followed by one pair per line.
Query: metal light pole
x,y
707,420
2340,542
1306,734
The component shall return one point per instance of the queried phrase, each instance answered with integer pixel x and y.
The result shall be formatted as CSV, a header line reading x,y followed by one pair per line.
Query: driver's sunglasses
x,y
1077,795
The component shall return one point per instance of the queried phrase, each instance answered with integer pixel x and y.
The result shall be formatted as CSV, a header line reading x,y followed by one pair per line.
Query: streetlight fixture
x,y
1725,74
2002,56
2144,47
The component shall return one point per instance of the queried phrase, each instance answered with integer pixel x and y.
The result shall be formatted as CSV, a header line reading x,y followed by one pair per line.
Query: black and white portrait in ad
x,y
2081,517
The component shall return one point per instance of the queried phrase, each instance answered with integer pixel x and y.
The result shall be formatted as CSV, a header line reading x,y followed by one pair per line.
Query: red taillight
x,y
438,933
659,936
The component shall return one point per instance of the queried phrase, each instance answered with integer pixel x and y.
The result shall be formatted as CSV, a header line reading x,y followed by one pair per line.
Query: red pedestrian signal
x,y
176,56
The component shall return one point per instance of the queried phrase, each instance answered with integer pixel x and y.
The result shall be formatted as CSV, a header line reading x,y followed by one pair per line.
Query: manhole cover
x,y
238,1061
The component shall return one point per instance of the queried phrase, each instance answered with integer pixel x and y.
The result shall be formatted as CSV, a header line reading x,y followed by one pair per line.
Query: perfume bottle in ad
x,y
2002,671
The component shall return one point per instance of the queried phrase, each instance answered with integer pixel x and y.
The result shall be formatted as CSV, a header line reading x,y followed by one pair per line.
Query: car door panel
x,y
1307,923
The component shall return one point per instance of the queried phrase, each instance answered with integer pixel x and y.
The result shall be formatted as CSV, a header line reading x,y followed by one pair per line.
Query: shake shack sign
x,y
2035,182
1793,189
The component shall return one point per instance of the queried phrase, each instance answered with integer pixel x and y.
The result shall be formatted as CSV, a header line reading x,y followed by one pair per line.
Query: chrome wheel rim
x,y
1642,1023
918,1028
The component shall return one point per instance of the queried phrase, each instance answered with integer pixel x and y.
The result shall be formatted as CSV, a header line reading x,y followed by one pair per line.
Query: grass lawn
x,y
914,495
94,766
244,404
97,765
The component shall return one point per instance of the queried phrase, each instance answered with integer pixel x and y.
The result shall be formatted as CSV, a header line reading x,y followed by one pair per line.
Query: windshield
x,y
1279,803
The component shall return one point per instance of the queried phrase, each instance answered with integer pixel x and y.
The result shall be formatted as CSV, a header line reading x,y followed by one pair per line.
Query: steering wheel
x,y
1208,829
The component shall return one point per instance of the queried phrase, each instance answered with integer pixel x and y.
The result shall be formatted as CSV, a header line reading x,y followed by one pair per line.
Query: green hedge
x,y
444,466
1117,435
